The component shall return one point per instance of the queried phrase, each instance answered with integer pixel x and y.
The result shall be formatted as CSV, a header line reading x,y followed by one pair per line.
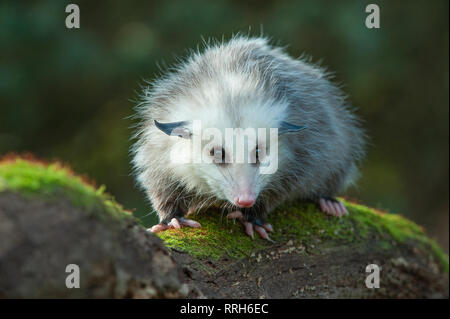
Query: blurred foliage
x,y
68,94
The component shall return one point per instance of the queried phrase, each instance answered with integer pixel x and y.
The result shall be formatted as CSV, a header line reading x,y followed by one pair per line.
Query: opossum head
x,y
228,153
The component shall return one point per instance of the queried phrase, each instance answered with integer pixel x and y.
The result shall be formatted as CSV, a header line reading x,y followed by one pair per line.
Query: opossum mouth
x,y
245,206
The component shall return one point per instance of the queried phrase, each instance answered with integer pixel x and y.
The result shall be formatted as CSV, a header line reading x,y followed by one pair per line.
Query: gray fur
x,y
319,161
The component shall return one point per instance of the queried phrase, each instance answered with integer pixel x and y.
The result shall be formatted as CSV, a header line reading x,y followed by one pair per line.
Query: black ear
x,y
286,127
175,128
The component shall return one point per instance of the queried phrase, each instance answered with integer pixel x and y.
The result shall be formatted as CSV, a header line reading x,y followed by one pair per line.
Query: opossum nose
x,y
245,201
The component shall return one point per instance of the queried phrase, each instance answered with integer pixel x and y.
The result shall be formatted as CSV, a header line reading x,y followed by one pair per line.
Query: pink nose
x,y
245,201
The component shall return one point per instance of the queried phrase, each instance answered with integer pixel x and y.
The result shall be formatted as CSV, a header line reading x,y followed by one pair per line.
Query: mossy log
x,y
49,218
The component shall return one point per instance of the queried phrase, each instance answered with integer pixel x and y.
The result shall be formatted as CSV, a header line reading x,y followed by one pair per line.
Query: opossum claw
x,y
262,232
323,205
158,228
332,207
249,229
337,209
175,223
250,226
189,222
268,227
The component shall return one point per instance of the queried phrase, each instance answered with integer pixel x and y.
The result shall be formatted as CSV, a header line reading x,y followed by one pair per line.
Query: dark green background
x,y
66,94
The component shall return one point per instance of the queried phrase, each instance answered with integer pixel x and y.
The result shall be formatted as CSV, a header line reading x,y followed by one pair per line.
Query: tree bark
x,y
116,257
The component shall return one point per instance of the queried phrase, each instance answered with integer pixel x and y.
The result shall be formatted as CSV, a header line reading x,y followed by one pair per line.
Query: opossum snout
x,y
244,188
245,200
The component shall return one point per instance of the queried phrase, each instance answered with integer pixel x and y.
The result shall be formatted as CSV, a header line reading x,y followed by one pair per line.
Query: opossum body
x,y
244,83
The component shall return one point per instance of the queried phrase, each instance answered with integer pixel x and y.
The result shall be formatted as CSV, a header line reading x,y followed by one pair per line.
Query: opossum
x,y
244,83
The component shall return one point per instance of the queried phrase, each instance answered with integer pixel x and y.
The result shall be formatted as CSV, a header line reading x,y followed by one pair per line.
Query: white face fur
x,y
227,168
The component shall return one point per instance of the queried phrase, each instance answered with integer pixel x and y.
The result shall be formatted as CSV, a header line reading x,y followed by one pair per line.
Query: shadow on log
x,y
49,218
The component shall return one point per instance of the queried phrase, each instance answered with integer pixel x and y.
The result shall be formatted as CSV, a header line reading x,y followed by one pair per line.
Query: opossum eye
x,y
258,155
218,154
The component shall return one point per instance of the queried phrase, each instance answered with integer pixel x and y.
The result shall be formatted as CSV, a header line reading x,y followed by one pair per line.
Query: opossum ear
x,y
175,128
286,127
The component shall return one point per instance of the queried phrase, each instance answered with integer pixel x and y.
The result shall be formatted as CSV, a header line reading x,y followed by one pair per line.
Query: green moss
x,y
52,181
219,236
213,239
304,222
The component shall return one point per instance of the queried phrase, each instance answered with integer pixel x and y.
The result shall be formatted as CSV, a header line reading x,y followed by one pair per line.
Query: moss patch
x,y
220,237
303,222
31,177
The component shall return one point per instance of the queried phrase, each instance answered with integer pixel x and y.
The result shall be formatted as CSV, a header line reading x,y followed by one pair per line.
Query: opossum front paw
x,y
332,207
252,224
175,223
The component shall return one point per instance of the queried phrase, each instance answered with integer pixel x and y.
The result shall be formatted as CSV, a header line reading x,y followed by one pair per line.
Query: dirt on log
x,y
337,272
119,259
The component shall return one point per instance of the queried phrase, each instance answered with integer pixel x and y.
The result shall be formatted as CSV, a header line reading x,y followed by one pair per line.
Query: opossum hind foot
x,y
252,225
332,207
175,223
